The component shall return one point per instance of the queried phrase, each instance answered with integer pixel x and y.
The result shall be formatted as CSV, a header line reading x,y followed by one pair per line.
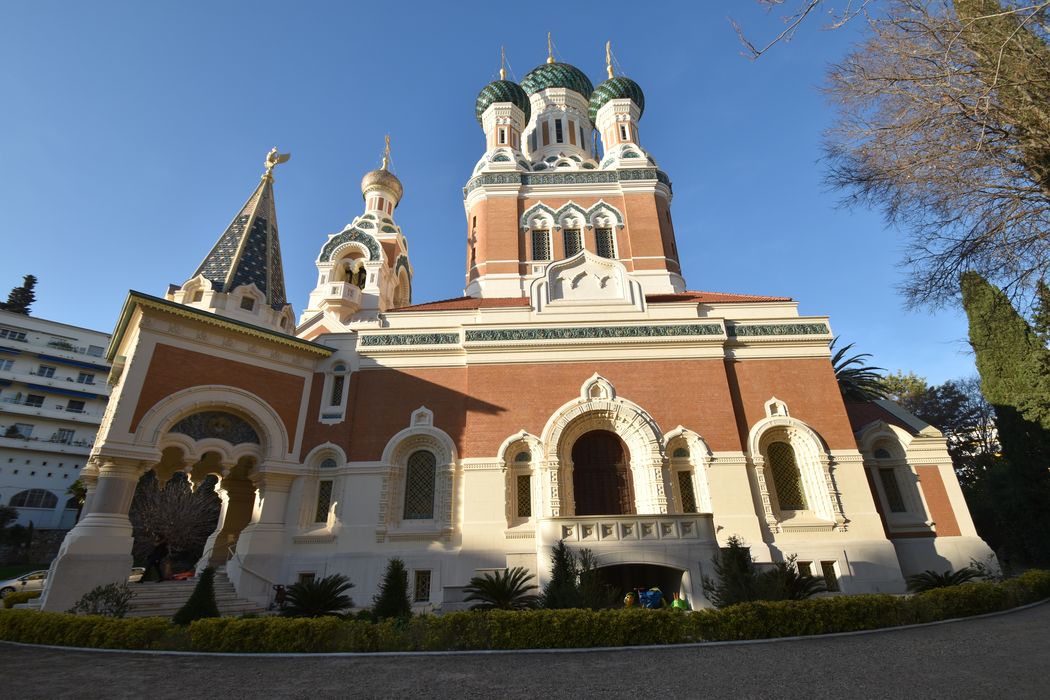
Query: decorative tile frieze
x,y
768,329
490,335
402,339
347,236
570,178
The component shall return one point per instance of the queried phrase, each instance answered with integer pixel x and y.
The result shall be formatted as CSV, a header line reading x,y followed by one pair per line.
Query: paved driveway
x,y
999,657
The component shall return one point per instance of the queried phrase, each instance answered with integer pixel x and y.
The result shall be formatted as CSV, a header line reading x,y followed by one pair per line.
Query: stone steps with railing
x,y
164,598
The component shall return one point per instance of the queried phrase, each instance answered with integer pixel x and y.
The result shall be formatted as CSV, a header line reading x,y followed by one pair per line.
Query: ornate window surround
x,y
599,408
328,413
513,468
814,463
420,435
697,463
895,441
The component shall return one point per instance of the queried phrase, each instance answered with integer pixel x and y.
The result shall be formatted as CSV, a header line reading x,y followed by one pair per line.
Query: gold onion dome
x,y
382,178
615,88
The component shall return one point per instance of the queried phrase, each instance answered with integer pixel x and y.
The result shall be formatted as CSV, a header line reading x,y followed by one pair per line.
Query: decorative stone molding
x,y
738,330
570,178
502,335
407,339
340,240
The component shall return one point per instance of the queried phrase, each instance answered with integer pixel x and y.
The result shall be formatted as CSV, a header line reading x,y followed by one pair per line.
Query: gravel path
x,y
1005,656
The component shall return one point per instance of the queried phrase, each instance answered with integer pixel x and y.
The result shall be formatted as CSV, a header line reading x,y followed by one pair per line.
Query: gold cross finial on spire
x,y
273,159
502,63
608,58
386,154
550,49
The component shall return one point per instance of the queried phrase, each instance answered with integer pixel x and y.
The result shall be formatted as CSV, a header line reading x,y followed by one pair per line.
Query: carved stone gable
x,y
586,280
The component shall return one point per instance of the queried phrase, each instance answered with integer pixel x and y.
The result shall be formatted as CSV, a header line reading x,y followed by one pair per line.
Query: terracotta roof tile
x,y
710,298
466,304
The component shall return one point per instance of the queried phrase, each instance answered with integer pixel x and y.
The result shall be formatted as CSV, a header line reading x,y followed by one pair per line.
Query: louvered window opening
x,y
831,579
422,587
573,242
524,484
603,238
786,477
419,486
324,501
685,487
541,245
894,499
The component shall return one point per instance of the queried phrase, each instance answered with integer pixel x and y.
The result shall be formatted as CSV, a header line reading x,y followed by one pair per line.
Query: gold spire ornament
x,y
273,159
608,58
550,49
386,155
502,63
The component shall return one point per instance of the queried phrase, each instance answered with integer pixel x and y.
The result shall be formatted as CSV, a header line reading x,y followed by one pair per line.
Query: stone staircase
x,y
164,598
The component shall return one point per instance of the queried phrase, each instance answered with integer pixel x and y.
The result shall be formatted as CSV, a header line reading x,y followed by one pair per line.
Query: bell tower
x,y
363,270
549,198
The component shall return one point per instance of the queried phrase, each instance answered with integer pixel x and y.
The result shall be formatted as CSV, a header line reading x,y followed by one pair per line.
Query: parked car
x,y
33,581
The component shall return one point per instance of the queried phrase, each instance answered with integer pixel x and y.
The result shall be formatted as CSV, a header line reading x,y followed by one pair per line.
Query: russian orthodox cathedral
x,y
578,391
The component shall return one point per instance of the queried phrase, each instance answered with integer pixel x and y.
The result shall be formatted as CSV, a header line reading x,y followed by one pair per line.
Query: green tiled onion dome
x,y
557,75
502,91
616,88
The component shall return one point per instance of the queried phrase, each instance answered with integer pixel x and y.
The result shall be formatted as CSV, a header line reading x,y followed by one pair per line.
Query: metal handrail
x,y
240,563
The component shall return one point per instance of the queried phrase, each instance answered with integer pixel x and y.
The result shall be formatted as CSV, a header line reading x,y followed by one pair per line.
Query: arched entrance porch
x,y
632,577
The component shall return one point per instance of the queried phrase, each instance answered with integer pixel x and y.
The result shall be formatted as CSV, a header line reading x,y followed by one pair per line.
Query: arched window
x,y
541,245
34,498
573,241
328,464
605,243
787,479
420,479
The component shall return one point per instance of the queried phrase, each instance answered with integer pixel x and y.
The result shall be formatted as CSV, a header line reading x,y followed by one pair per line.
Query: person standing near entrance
x,y
156,559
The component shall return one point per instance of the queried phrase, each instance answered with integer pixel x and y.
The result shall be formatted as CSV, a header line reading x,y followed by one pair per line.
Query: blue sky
x,y
132,132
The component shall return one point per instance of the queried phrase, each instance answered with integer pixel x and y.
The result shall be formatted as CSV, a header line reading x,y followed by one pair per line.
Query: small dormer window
x,y
198,295
247,303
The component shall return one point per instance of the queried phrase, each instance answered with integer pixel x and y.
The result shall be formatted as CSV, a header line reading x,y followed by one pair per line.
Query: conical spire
x,y
249,251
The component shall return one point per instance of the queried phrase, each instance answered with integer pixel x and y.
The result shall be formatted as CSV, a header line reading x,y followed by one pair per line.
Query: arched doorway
x,y
601,475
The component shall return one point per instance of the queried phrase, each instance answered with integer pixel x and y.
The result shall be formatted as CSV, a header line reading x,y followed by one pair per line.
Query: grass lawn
x,y
12,570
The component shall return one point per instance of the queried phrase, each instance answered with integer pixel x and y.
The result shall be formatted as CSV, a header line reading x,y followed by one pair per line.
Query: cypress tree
x,y
202,601
1014,365
562,591
1041,313
1015,63
21,298
392,598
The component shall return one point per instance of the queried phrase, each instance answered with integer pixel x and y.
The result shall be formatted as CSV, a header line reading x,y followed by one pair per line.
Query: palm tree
x,y
857,381
506,590
929,579
318,597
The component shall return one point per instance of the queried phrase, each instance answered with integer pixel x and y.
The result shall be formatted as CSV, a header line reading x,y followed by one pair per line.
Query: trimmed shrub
x,y
111,600
392,599
537,629
19,597
202,601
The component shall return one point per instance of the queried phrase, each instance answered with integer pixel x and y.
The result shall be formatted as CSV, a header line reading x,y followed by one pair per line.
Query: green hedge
x,y
540,629
19,597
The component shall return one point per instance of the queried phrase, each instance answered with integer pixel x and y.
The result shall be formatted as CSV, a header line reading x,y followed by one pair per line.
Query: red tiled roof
x,y
710,298
466,304
862,414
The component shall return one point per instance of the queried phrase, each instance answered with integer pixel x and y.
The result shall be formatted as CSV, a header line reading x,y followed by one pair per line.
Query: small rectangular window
x,y
805,568
85,378
546,133
573,242
324,501
45,371
502,136
64,436
198,295
603,238
306,576
524,488
583,141
95,350
74,406
623,132
19,430
6,365
336,399
558,137
572,132
541,245
831,579
35,400
422,586
532,141
893,490
11,334
685,487
247,303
